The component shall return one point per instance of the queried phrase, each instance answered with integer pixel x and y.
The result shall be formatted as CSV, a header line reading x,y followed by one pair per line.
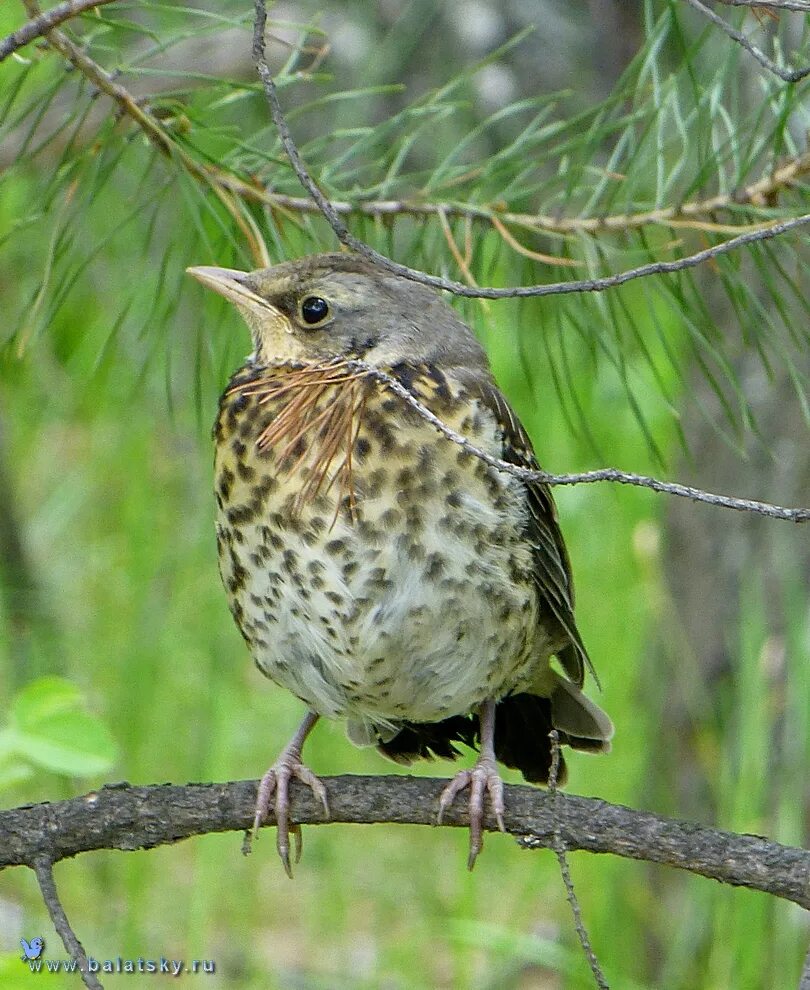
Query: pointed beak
x,y
231,284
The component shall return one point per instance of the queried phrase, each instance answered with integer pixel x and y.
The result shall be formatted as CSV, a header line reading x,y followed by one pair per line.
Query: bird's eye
x,y
315,310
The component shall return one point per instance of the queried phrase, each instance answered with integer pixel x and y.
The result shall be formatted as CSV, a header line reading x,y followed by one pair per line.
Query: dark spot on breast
x,y
439,379
239,514
390,518
405,374
225,482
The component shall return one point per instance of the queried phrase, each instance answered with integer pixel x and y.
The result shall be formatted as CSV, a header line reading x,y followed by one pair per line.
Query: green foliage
x,y
49,730
683,125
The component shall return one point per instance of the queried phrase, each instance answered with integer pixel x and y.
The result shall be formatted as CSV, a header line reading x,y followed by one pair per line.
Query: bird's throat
x,y
305,419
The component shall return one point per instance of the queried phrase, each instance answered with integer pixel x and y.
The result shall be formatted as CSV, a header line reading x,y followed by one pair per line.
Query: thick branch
x,y
127,818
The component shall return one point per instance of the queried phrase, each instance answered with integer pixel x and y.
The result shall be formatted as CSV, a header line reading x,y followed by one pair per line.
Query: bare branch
x,y
458,288
128,818
43,23
786,75
558,845
43,867
799,5
804,983
586,477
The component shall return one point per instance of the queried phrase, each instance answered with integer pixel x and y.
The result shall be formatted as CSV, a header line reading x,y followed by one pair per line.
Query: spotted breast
x,y
376,569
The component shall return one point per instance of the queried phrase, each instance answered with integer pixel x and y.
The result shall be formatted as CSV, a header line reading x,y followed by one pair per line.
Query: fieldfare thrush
x,y
375,568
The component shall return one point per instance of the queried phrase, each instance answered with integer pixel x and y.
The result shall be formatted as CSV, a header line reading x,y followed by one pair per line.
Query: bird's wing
x,y
552,569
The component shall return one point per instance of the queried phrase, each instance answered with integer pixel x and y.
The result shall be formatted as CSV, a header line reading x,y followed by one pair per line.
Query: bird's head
x,y
342,306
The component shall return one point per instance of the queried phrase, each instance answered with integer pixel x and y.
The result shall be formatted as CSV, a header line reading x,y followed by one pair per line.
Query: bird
x,y
32,949
378,570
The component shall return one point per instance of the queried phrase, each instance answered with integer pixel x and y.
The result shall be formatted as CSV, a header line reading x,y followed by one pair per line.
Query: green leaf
x,y
41,700
47,727
71,742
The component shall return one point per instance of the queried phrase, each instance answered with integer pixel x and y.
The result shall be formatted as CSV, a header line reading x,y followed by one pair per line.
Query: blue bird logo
x,y
32,949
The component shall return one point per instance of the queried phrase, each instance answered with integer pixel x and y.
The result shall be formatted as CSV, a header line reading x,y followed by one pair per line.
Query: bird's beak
x,y
231,284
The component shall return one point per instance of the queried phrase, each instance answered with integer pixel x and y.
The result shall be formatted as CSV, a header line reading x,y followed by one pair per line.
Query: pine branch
x,y
697,214
346,238
43,23
794,5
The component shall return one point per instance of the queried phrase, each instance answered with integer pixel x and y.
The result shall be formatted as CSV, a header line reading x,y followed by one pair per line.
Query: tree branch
x,y
586,477
458,288
129,818
794,5
786,75
694,214
44,870
43,23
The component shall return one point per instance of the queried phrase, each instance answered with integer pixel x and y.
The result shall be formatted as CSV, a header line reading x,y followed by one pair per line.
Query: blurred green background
x,y
110,368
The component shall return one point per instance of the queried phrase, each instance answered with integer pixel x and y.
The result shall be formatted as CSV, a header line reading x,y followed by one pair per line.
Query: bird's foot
x,y
277,781
483,778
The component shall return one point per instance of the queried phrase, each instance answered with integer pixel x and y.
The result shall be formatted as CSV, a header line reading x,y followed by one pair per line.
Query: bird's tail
x,y
523,723
522,726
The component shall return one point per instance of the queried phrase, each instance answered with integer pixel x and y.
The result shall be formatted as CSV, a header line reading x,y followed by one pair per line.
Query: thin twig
x,y
558,845
43,23
804,983
586,477
786,75
44,870
797,5
554,288
683,216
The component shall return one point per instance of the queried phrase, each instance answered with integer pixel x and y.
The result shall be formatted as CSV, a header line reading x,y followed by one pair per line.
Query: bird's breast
x,y
375,568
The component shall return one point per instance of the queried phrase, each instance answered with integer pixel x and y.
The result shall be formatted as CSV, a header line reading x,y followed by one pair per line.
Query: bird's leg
x,y
483,777
277,779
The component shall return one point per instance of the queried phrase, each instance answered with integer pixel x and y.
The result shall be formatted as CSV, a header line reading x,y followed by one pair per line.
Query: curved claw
x,y
482,779
277,781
